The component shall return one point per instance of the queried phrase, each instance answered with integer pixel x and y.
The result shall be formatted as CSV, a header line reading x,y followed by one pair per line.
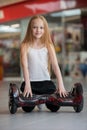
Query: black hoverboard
x,y
52,101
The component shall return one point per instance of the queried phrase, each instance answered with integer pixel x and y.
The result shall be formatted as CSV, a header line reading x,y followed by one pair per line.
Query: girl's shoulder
x,y
23,47
50,46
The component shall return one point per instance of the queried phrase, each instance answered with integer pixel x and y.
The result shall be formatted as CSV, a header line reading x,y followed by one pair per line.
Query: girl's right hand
x,y
27,91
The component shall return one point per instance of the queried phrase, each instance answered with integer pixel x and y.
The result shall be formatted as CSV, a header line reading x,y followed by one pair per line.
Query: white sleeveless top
x,y
38,64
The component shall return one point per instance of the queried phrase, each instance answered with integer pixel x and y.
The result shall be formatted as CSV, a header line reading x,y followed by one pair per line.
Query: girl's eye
x,y
34,27
38,27
41,27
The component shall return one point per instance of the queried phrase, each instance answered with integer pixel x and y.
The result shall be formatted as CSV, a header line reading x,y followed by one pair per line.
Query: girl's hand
x,y
27,91
62,92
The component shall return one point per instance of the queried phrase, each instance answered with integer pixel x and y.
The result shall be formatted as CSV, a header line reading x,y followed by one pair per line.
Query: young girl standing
x,y
37,52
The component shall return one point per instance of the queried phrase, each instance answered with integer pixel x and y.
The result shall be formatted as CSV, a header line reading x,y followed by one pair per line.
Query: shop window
x,y
9,46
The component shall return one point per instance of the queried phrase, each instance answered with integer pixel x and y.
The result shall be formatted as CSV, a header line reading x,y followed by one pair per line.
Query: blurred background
x,y
67,21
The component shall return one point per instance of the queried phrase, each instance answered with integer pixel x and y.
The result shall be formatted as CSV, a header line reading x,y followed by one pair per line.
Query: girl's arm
x,y
24,62
56,69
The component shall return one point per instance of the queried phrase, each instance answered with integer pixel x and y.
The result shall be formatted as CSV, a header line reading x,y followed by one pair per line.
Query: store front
x,y
66,32
9,48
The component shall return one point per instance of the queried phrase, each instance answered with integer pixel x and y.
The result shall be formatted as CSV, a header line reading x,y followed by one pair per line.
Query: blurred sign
x,y
30,8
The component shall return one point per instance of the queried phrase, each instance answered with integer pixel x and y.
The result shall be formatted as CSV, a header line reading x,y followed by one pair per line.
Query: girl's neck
x,y
37,44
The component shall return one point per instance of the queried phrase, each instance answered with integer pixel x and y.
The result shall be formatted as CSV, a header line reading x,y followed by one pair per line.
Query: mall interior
x,y
67,20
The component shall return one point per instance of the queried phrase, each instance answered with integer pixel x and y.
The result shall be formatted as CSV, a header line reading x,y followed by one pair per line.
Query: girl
x,y
37,52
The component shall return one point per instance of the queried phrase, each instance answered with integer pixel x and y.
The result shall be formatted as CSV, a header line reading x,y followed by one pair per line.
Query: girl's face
x,y
37,28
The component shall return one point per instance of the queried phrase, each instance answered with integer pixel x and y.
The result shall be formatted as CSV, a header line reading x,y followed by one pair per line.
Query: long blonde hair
x,y
46,38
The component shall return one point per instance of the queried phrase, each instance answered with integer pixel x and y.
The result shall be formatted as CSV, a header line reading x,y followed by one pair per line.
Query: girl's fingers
x,y
63,94
27,94
24,94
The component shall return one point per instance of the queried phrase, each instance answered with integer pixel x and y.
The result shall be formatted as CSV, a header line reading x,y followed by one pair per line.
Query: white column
x,y
24,24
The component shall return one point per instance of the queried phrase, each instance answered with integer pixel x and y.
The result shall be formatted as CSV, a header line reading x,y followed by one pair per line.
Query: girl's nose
x,y
38,29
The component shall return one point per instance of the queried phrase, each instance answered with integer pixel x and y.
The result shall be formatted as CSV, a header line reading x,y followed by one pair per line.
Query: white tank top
x,y
38,64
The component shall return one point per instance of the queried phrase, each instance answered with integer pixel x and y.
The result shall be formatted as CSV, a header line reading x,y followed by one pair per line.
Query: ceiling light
x,y
15,25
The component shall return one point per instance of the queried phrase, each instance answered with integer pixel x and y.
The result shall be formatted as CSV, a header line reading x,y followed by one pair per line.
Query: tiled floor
x,y
64,119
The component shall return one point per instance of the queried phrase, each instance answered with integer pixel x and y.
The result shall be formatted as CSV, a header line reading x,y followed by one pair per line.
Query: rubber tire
x,y
12,104
28,109
12,107
79,89
52,107
79,107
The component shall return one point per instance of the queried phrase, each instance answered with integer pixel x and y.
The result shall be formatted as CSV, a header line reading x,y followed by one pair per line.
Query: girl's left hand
x,y
62,92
